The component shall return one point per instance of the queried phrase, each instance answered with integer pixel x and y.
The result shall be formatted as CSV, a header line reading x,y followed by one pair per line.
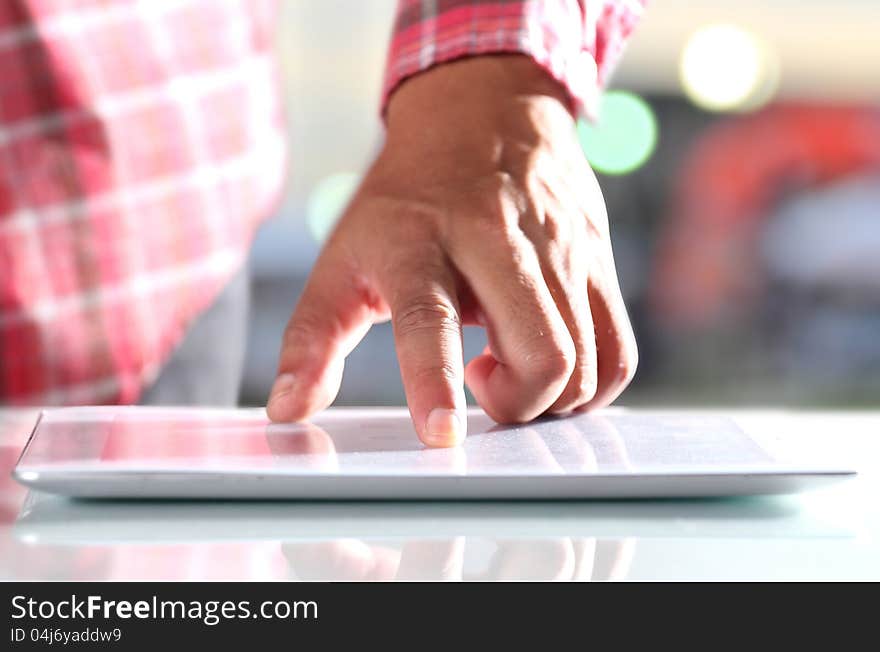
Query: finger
x,y
612,332
617,354
563,255
427,335
334,312
582,383
532,354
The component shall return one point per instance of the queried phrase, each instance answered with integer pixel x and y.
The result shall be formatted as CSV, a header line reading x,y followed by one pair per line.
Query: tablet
x,y
374,454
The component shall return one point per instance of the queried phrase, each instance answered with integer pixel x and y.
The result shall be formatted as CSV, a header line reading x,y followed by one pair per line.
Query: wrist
x,y
477,97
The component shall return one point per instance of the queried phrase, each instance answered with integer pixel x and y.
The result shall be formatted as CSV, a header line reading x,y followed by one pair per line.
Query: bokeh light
x,y
623,138
327,201
724,67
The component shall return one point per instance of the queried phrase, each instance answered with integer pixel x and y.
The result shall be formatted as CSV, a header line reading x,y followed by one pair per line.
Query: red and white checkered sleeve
x,y
577,41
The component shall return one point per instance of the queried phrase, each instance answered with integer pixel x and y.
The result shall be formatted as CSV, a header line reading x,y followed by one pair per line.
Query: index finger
x,y
427,335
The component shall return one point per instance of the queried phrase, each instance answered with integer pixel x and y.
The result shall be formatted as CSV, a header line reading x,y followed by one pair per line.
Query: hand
x,y
480,209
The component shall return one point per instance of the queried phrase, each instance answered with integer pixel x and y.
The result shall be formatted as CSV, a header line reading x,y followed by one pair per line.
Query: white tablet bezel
x,y
96,481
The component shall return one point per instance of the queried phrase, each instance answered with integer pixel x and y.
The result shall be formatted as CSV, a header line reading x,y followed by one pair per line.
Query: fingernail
x,y
283,386
443,428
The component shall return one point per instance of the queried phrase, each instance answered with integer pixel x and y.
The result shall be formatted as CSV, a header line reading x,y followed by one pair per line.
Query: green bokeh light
x,y
624,136
327,201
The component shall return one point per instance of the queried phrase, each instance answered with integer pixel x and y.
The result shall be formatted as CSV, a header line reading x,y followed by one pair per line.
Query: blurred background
x,y
739,153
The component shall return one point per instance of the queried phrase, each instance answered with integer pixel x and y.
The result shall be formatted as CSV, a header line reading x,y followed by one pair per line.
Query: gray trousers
x,y
206,367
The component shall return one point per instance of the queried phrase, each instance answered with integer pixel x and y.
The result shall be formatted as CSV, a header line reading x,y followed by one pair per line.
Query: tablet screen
x,y
382,442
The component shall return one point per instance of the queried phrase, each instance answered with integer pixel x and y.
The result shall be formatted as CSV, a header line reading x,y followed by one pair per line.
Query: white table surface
x,y
827,534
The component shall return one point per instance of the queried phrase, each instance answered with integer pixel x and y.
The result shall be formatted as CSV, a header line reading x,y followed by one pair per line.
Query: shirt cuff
x,y
551,33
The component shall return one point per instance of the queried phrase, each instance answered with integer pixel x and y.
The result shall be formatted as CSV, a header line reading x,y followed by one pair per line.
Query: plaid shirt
x,y
141,144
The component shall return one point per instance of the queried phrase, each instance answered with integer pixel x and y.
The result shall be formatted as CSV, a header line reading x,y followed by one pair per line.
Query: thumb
x,y
331,317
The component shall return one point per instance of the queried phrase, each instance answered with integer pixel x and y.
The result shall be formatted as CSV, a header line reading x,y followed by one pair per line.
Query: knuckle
x,y
627,356
496,211
498,183
550,361
303,342
628,364
302,328
583,383
439,371
555,228
581,387
493,222
429,312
